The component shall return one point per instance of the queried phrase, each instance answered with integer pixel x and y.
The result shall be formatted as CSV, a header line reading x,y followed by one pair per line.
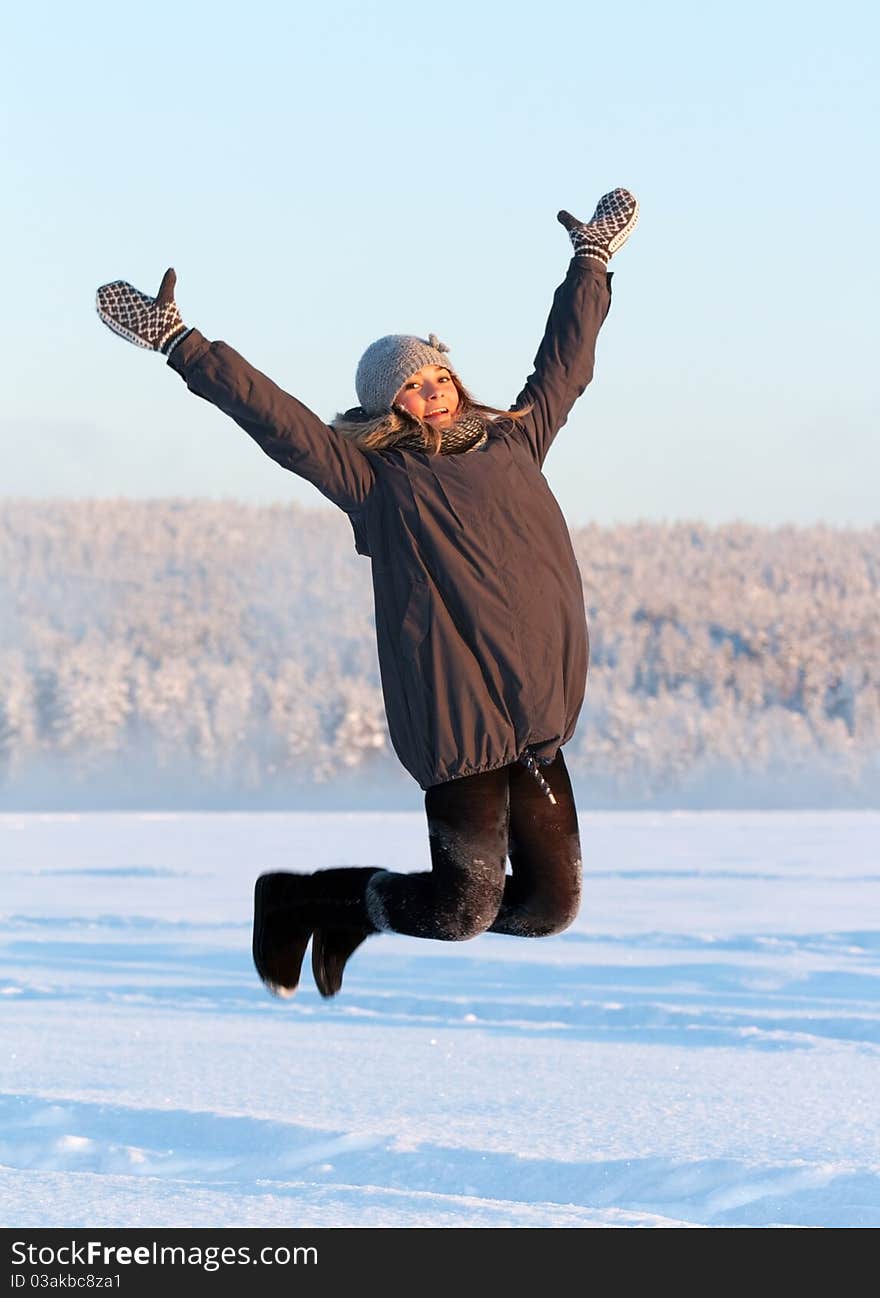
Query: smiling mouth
x,y
434,413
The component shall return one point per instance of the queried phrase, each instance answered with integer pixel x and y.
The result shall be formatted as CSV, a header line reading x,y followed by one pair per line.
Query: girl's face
x,y
431,395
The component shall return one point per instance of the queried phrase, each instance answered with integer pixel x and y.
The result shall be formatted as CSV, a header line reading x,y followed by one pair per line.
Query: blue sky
x,y
323,175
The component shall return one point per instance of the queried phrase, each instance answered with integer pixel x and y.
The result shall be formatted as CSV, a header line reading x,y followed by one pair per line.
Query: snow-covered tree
x,y
238,643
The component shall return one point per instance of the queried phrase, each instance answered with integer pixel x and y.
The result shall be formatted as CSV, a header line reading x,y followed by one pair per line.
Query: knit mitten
x,y
152,322
608,228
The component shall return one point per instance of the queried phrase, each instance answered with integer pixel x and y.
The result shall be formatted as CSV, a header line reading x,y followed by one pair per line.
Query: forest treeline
x,y
232,648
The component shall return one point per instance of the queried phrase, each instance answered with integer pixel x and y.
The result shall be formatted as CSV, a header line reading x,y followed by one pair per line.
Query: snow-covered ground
x,y
701,1048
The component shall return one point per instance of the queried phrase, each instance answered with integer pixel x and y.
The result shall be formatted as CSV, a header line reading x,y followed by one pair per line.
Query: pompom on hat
x,y
388,363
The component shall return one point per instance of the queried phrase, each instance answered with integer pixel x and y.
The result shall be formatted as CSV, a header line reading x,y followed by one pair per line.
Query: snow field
x,y
701,1048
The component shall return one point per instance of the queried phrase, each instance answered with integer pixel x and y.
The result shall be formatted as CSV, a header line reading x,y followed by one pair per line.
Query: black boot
x,y
331,949
290,908
281,931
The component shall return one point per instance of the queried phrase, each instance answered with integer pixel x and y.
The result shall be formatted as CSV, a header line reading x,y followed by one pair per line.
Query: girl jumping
x,y
480,623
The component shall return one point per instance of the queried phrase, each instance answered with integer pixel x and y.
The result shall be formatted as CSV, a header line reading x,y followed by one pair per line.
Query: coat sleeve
x,y
285,429
564,363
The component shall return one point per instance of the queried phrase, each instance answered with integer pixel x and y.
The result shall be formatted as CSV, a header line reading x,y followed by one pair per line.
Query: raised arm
x,y
282,426
565,359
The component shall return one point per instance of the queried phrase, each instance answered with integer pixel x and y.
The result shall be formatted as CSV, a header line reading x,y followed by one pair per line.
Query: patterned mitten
x,y
152,322
608,228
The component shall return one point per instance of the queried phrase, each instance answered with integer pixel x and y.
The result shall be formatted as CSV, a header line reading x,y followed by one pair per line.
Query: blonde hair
x,y
382,432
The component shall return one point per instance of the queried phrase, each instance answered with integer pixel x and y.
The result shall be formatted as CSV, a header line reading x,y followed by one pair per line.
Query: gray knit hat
x,y
387,364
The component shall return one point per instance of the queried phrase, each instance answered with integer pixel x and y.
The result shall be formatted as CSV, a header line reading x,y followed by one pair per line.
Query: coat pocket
x,y
415,684
416,618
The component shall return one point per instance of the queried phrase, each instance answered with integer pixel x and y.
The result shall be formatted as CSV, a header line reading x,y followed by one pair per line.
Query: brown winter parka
x,y
480,622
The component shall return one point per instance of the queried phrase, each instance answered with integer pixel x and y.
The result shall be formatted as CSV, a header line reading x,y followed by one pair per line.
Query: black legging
x,y
474,824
